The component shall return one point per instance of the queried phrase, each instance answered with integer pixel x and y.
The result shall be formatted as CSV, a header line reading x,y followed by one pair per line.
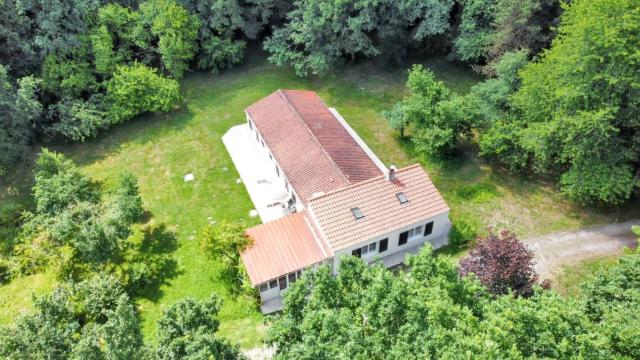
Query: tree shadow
x,y
153,254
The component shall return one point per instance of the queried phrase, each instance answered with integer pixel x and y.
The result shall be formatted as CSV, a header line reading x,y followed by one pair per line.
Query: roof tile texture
x,y
282,246
382,210
313,149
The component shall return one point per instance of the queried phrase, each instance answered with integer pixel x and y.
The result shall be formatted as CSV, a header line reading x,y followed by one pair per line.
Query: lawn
x,y
161,149
570,281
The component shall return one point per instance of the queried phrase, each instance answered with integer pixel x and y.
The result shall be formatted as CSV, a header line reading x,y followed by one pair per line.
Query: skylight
x,y
402,197
357,213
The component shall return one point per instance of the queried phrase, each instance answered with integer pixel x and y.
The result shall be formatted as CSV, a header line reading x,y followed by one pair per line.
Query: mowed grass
x,y
161,149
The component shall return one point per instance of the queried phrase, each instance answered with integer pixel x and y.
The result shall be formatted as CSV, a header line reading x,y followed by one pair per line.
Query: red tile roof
x,y
313,149
282,246
377,200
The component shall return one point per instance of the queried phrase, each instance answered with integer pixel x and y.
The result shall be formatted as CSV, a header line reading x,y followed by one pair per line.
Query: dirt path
x,y
555,251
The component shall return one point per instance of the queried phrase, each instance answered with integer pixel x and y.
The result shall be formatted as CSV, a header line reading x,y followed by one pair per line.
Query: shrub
x,y
5,271
137,89
502,264
463,231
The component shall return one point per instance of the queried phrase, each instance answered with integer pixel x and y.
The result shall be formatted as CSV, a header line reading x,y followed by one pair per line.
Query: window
x,y
292,278
357,213
277,170
262,142
402,197
263,287
367,249
273,283
404,236
257,137
415,232
283,282
428,229
384,243
250,125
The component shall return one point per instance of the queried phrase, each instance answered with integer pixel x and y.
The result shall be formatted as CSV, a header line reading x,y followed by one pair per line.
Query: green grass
x,y
572,277
161,149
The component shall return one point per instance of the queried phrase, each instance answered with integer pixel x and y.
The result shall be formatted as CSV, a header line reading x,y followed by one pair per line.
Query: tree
x,y
319,33
226,241
59,24
176,31
93,319
17,52
59,183
431,312
489,29
575,114
435,115
221,23
19,109
187,330
137,89
502,264
79,120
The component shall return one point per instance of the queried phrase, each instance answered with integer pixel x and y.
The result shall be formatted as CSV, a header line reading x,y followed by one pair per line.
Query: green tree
x,y
222,23
576,112
93,319
319,33
137,89
59,183
78,120
58,24
187,330
488,29
19,111
176,31
17,52
69,74
369,313
113,41
226,241
436,117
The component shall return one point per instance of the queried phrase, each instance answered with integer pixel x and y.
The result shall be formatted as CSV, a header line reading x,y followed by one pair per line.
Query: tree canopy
x,y
319,33
576,111
431,312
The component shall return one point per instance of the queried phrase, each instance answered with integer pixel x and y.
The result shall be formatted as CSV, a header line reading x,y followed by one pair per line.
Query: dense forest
x,y
560,99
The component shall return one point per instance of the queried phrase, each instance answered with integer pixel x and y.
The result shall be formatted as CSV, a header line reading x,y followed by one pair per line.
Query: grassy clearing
x,y
569,283
161,149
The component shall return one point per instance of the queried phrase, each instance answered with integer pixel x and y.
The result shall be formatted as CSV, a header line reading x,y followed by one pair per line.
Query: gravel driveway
x,y
555,251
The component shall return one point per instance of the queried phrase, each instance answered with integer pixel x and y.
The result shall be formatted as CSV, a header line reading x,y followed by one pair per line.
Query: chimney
x,y
391,174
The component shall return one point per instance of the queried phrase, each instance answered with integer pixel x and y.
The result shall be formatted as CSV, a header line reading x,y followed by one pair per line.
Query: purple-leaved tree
x,y
503,264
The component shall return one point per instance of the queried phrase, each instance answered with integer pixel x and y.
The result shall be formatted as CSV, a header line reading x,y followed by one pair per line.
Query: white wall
x,y
299,204
441,227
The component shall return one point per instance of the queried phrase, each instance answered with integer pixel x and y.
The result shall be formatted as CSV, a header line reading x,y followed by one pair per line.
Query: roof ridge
x,y
311,132
364,182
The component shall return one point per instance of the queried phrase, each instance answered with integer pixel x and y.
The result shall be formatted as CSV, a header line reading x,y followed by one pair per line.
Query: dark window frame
x,y
273,283
403,238
428,228
384,245
282,282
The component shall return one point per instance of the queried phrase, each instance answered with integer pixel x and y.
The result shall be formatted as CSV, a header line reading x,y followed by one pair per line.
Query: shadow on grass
x,y
151,263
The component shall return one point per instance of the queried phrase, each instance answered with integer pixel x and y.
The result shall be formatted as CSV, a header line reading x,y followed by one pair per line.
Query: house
x,y
322,193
